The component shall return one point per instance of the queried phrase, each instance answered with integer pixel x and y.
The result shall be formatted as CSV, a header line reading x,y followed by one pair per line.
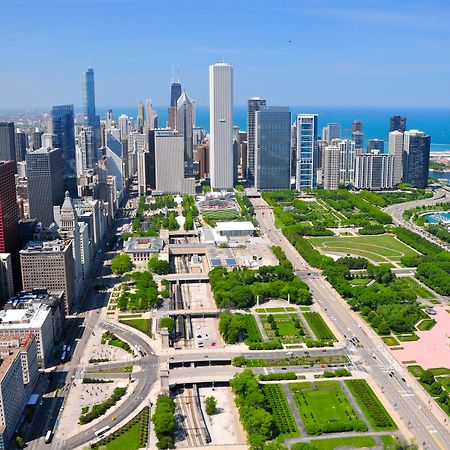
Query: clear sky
x,y
316,52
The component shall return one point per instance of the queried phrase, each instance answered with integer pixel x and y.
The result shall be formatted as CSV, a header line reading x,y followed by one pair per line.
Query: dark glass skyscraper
x,y
7,142
90,118
63,128
175,94
253,104
397,123
416,158
358,134
272,148
21,145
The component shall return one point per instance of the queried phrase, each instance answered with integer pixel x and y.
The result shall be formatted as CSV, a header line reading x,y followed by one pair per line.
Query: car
x,y
283,368
201,344
199,336
213,344
324,350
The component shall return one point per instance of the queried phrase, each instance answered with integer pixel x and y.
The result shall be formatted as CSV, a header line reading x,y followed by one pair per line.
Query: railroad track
x,y
195,434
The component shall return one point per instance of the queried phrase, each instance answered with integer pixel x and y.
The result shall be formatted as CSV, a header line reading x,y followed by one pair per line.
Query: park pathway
x,y
293,406
354,404
261,327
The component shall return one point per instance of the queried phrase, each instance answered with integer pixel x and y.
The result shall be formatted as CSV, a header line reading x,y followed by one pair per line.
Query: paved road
x,y
429,431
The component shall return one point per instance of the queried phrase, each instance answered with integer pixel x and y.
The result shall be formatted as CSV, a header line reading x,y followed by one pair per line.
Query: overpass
x,y
188,249
186,277
212,312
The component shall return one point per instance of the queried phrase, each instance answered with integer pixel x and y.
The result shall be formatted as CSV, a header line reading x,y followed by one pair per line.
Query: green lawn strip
x,y
275,310
281,411
318,326
253,332
304,308
260,310
389,442
426,324
324,408
110,338
440,371
294,361
132,436
407,337
415,370
144,325
129,316
350,442
445,382
390,340
419,290
359,281
100,409
371,406
123,369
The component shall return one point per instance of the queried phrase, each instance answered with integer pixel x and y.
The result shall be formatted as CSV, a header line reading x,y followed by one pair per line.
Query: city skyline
x,y
276,65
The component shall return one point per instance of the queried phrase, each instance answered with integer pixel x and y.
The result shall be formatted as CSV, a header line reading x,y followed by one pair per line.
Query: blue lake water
x,y
437,217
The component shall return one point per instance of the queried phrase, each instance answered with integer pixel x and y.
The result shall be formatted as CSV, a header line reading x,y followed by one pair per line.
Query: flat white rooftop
x,y
235,226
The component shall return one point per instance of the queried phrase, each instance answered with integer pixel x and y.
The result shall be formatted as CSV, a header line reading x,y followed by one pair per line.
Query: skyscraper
x,y
331,158
347,161
375,144
9,217
140,117
272,148
21,145
396,150
374,171
175,93
330,132
358,134
7,142
416,158
45,183
221,125
397,123
184,125
253,104
306,149
90,118
63,128
150,115
36,139
124,126
86,148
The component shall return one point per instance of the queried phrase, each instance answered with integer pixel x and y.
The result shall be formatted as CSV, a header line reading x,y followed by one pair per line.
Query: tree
x,y
20,441
121,263
427,377
159,266
210,405
189,222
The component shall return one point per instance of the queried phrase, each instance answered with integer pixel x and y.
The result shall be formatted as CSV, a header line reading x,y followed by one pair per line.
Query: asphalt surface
x,y
428,430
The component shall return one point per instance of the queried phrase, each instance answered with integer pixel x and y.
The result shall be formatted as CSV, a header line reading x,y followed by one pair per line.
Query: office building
x,y
9,218
36,141
374,171
331,167
253,104
63,127
21,144
140,117
201,156
49,140
396,150
18,375
168,149
330,132
397,123
6,277
306,151
50,265
86,150
221,125
358,135
150,115
45,183
184,125
175,93
347,161
375,144
7,142
416,158
123,124
90,117
114,156
272,148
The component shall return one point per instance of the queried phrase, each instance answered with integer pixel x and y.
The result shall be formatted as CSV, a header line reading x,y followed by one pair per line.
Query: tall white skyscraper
x,y
124,126
331,159
184,123
347,161
306,151
396,150
221,125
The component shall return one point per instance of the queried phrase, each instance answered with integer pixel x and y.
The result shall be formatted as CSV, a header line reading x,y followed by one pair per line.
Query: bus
x,y
102,430
48,436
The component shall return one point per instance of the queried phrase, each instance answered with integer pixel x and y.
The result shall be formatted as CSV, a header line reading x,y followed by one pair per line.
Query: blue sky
x,y
293,52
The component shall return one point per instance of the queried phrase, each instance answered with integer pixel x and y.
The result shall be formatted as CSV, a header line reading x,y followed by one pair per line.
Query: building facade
x,y
416,158
331,167
306,151
396,150
374,171
253,104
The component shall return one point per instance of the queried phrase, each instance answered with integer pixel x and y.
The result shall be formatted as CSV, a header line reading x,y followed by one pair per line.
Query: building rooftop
x,y
33,316
235,226
6,359
46,246
144,244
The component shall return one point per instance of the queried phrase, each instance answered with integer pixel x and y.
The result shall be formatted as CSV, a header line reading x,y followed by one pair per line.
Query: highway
x,y
428,430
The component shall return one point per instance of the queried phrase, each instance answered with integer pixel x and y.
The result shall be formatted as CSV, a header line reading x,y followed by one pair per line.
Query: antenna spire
x,y
173,73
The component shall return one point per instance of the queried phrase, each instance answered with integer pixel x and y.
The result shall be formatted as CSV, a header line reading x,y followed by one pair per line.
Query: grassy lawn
x,y
144,325
297,361
381,248
415,370
359,281
440,371
322,403
220,215
123,369
350,442
445,383
407,337
370,405
286,330
129,440
130,316
426,324
418,289
318,326
389,340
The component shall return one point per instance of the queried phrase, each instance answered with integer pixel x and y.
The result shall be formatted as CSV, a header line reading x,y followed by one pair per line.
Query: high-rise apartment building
x,y
306,149
45,183
63,127
9,217
140,116
86,149
375,144
396,150
397,123
374,171
50,265
90,117
358,135
416,158
221,125
347,150
272,148
331,167
330,132
253,104
123,124
7,142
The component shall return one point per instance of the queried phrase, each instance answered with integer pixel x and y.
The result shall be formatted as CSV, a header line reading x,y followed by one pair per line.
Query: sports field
x,y
380,249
